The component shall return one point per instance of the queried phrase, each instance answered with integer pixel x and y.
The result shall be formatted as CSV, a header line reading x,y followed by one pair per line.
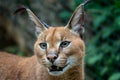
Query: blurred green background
x,y
102,37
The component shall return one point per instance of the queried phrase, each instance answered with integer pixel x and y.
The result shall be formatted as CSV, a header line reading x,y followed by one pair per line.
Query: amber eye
x,y
43,45
64,44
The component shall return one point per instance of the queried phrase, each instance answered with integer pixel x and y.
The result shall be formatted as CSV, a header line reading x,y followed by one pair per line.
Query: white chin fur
x,y
56,73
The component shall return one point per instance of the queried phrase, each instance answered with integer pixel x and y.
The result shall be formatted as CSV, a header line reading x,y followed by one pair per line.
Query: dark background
x,y
102,37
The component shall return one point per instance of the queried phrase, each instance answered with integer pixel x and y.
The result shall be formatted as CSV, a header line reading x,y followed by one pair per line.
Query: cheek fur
x,y
38,51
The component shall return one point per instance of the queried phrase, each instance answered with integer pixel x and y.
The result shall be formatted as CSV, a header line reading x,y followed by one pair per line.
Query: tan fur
x,y
37,67
17,68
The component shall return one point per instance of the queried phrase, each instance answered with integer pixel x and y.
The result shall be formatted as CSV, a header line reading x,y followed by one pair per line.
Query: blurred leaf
x,y
95,58
117,21
115,76
103,71
117,3
100,18
106,32
105,48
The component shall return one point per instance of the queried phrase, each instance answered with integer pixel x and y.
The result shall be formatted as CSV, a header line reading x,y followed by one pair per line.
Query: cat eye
x,y
43,45
64,44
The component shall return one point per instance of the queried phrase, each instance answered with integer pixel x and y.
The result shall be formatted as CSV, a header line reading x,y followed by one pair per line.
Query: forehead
x,y
56,33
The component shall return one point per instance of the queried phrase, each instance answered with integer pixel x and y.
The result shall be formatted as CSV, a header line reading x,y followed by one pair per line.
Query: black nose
x,y
52,57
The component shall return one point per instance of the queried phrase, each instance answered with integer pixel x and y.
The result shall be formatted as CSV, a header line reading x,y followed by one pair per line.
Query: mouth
x,y
54,68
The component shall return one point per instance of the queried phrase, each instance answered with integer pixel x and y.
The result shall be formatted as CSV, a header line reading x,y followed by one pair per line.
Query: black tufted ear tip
x,y
21,9
85,2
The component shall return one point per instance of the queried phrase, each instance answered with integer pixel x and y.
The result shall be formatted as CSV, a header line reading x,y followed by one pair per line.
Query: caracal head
x,y
59,49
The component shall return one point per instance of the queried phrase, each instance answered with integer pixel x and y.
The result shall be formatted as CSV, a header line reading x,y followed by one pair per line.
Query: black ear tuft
x,y
20,9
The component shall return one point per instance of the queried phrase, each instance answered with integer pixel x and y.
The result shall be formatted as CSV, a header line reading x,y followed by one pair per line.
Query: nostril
x,y
55,57
48,58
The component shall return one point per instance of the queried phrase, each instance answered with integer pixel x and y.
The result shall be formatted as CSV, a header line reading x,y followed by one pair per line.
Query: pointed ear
x,y
40,25
76,22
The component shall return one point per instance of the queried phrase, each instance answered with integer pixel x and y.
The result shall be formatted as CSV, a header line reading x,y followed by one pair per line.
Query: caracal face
x,y
64,48
60,48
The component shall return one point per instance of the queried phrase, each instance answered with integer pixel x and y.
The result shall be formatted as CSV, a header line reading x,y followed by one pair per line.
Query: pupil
x,y
44,45
64,43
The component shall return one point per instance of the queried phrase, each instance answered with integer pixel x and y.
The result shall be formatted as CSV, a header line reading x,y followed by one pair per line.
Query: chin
x,y
56,73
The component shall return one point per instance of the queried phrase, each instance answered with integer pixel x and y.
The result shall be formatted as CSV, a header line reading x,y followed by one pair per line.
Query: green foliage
x,y
103,48
115,76
64,15
14,49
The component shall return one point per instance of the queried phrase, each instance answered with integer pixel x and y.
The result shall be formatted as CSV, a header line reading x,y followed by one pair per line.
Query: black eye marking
x,y
64,44
43,45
